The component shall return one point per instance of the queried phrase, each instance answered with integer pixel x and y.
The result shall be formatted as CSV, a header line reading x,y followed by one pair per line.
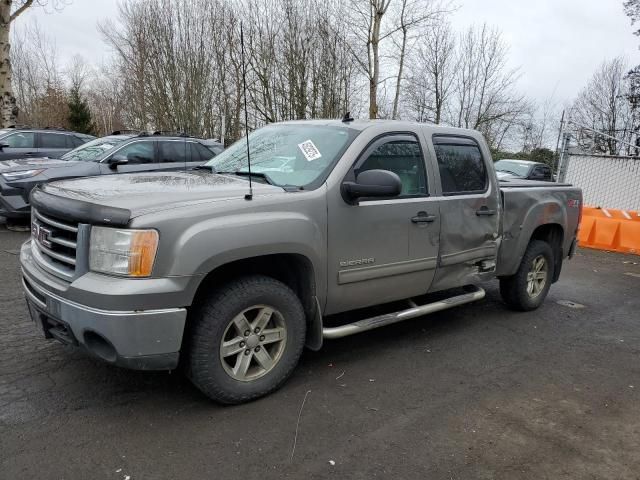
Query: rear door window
x,y
53,140
462,168
174,152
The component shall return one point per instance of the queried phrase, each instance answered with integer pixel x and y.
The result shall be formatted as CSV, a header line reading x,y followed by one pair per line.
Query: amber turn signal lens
x,y
144,246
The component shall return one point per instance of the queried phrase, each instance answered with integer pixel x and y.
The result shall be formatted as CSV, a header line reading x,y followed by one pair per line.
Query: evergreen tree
x,y
79,113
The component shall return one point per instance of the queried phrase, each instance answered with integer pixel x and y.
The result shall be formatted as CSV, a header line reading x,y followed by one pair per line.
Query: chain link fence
x,y
606,181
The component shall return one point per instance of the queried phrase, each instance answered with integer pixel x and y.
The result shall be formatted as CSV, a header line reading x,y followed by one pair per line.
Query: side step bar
x,y
395,317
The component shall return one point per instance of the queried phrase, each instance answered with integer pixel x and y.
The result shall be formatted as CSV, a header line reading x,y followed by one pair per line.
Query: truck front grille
x,y
55,244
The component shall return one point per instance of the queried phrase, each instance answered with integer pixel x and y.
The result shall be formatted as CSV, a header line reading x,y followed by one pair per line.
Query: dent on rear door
x,y
470,215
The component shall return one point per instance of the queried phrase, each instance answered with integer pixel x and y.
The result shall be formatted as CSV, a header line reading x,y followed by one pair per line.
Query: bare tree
x,y
539,127
431,81
77,72
466,82
412,15
35,75
366,22
10,10
105,97
181,68
486,97
603,106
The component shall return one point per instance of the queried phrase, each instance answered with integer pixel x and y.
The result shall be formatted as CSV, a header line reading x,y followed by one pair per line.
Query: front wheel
x,y
247,339
528,287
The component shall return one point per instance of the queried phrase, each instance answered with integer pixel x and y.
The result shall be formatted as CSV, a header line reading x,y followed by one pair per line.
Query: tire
x,y
240,370
517,290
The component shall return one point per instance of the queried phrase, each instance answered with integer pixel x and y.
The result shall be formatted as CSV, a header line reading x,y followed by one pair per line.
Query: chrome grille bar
x,y
55,223
54,244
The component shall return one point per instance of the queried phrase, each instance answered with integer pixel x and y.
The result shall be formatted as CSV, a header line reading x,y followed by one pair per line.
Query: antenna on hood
x,y
248,196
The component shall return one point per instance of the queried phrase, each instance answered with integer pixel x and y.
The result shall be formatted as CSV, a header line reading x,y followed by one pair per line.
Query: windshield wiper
x,y
245,173
509,171
267,178
211,168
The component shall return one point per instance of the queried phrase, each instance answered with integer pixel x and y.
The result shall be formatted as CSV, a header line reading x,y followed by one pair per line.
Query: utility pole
x,y
563,161
555,156
634,101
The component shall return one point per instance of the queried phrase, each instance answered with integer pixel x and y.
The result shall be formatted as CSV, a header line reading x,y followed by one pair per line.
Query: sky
x,y
557,44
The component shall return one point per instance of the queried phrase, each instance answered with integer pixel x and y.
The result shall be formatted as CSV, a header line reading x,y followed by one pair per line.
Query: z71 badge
x,y
359,261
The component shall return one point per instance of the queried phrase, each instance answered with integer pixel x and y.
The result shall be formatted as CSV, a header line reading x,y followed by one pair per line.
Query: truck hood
x,y
34,163
142,193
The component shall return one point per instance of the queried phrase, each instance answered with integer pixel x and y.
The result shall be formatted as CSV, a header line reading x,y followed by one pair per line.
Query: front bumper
x,y
141,339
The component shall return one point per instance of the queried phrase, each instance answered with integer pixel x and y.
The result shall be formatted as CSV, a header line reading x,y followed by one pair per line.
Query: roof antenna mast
x,y
248,196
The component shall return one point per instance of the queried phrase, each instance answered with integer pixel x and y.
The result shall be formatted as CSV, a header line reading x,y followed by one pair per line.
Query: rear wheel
x,y
528,287
247,339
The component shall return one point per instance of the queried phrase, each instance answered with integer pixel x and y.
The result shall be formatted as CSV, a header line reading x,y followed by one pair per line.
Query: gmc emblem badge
x,y
42,235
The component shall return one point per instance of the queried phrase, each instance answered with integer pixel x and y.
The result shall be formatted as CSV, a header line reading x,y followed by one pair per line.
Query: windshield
x,y
287,154
516,167
94,149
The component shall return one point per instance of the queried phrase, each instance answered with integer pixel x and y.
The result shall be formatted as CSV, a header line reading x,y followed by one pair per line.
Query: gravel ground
x,y
474,392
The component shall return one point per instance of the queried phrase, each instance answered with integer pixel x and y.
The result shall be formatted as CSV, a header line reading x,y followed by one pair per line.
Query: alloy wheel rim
x,y
253,343
537,276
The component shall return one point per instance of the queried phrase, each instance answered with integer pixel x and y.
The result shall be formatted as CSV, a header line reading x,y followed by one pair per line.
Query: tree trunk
x,y
374,75
8,107
373,98
396,99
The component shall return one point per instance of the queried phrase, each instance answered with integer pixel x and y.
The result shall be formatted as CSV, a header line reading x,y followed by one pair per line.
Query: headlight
x,y
22,174
129,253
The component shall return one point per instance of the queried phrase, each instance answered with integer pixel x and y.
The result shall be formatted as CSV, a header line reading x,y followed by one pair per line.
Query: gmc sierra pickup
x,y
149,270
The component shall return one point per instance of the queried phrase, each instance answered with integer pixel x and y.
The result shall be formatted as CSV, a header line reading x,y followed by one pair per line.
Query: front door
x,y
383,250
140,157
470,211
18,145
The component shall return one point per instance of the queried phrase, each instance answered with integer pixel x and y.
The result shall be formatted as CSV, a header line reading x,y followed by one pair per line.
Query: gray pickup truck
x,y
153,270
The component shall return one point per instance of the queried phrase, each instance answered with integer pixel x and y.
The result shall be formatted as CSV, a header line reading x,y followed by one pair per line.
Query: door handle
x,y
484,211
30,154
423,217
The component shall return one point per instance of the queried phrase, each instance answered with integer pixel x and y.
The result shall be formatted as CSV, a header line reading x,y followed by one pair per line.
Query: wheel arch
x,y
541,221
293,269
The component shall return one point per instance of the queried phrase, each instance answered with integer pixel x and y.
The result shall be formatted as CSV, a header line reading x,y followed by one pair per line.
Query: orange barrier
x,y
609,229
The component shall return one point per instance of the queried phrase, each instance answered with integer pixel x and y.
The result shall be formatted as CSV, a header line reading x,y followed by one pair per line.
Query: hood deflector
x,y
79,211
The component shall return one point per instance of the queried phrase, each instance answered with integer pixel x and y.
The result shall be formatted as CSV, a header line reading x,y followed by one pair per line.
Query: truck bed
x,y
528,203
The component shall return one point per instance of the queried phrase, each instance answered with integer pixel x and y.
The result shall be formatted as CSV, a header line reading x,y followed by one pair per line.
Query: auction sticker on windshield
x,y
309,150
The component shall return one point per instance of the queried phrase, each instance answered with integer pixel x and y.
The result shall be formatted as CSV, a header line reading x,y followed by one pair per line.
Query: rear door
x,y
383,250
469,209
54,145
176,155
18,145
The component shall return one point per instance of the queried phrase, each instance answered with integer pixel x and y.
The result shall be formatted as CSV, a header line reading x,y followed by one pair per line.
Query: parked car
x,y
523,170
143,270
30,142
119,153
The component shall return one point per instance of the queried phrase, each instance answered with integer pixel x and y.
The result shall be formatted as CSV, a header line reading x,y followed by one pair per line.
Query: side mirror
x,y
116,160
3,145
373,183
